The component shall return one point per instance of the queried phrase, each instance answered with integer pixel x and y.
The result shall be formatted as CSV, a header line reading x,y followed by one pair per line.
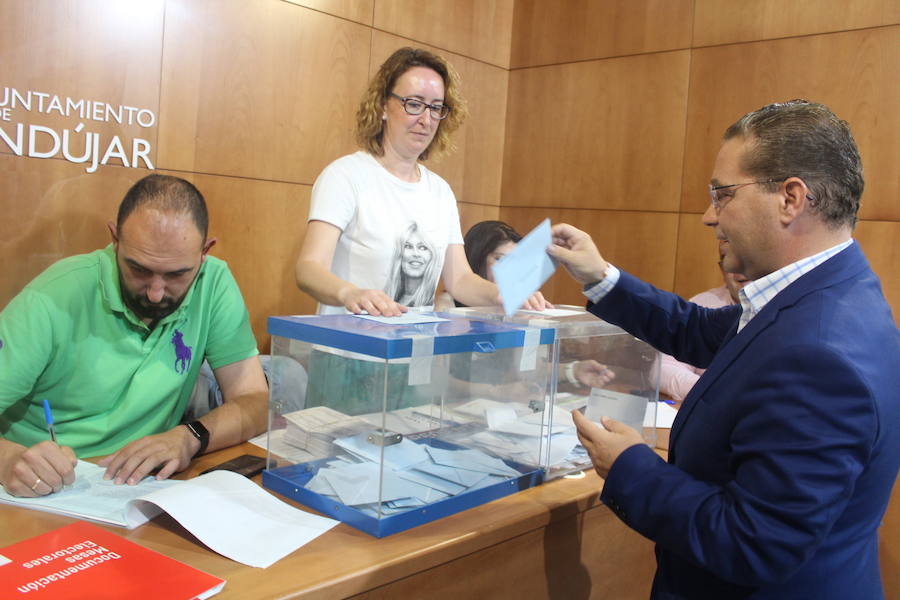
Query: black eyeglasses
x,y
717,199
414,106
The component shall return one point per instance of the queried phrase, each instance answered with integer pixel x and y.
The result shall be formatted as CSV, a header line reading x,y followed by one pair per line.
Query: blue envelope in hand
x,y
523,271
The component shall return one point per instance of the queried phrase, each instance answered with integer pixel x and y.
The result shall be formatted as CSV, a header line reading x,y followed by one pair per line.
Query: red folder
x,y
84,561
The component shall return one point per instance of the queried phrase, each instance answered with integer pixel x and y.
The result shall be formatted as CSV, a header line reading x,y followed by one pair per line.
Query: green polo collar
x,y
112,293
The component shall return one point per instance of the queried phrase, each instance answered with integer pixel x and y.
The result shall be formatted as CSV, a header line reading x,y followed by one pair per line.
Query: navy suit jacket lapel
x,y
847,263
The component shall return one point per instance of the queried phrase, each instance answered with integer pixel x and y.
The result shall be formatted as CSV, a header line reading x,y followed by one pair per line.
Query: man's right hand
x,y
37,471
576,251
374,302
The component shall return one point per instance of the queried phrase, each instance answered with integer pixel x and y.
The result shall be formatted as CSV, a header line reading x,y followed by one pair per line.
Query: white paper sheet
x,y
95,499
553,312
499,415
238,519
407,318
665,415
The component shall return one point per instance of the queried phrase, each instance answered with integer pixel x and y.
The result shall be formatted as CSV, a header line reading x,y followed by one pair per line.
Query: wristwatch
x,y
199,431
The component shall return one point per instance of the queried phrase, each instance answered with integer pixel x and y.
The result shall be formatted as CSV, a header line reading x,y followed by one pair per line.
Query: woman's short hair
x,y
482,239
370,125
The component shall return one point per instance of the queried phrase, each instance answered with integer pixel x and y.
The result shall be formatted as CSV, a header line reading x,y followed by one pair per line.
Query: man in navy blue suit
x,y
783,455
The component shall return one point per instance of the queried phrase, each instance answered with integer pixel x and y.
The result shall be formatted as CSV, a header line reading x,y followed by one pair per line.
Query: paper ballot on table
x,y
555,312
407,318
523,271
226,511
94,499
238,519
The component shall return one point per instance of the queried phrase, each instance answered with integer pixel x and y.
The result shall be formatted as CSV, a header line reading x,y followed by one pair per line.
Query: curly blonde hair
x,y
369,124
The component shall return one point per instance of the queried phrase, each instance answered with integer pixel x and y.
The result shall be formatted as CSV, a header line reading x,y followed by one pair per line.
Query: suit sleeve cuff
x,y
623,475
597,291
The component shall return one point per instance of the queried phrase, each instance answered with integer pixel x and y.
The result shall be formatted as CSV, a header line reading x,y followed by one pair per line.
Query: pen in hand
x,y
48,417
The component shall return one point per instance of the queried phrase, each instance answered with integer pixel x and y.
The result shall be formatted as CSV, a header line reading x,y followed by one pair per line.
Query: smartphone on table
x,y
246,465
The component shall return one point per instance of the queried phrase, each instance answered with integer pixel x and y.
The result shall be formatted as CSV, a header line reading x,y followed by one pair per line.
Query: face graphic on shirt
x,y
415,256
415,268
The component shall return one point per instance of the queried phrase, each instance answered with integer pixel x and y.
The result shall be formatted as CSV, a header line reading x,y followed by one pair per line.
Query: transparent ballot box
x,y
598,367
401,424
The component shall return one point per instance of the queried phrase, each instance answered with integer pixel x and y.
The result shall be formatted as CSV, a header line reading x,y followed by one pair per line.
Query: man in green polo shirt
x,y
114,341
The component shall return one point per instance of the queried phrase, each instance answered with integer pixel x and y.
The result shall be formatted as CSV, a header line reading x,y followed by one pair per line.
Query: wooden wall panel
x,y
856,74
601,134
74,49
53,209
480,29
481,140
573,30
354,10
717,22
878,239
279,104
474,169
696,264
469,214
641,243
259,226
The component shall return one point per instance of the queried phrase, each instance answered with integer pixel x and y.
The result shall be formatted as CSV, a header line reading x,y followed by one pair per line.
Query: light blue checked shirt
x,y
756,294
753,296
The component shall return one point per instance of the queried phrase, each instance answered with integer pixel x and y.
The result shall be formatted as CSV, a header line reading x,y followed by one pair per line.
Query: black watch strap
x,y
199,431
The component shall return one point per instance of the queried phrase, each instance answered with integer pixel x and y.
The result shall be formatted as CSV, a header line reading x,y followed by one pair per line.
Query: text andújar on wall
x,y
77,144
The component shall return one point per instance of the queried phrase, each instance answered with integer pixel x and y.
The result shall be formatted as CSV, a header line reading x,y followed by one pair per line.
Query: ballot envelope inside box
x,y
408,420
598,368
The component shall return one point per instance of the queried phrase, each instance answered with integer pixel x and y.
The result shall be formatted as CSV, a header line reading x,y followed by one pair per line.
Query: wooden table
x,y
552,541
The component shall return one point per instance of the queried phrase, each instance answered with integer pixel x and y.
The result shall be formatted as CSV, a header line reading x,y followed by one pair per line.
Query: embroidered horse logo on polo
x,y
182,352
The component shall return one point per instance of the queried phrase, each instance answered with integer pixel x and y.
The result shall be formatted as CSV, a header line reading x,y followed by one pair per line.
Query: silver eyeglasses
x,y
717,199
414,106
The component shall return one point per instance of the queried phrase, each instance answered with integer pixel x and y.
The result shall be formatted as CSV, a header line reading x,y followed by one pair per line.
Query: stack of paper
x,y
519,433
479,409
260,528
315,429
414,419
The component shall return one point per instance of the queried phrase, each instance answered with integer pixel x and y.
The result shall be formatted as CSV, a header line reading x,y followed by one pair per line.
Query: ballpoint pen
x,y
48,417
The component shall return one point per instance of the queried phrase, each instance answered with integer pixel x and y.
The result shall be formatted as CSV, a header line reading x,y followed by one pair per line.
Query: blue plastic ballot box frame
x,y
391,344
452,336
290,481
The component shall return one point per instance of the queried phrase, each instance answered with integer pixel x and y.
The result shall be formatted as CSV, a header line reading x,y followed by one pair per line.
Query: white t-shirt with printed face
x,y
395,233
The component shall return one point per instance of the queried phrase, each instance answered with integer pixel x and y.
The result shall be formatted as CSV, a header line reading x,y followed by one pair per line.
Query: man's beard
x,y
144,309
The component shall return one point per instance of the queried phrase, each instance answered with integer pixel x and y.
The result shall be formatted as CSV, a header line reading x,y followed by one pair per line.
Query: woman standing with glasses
x,y
364,204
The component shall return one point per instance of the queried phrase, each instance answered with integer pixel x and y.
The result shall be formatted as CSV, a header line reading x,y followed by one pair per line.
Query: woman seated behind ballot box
x,y
486,243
